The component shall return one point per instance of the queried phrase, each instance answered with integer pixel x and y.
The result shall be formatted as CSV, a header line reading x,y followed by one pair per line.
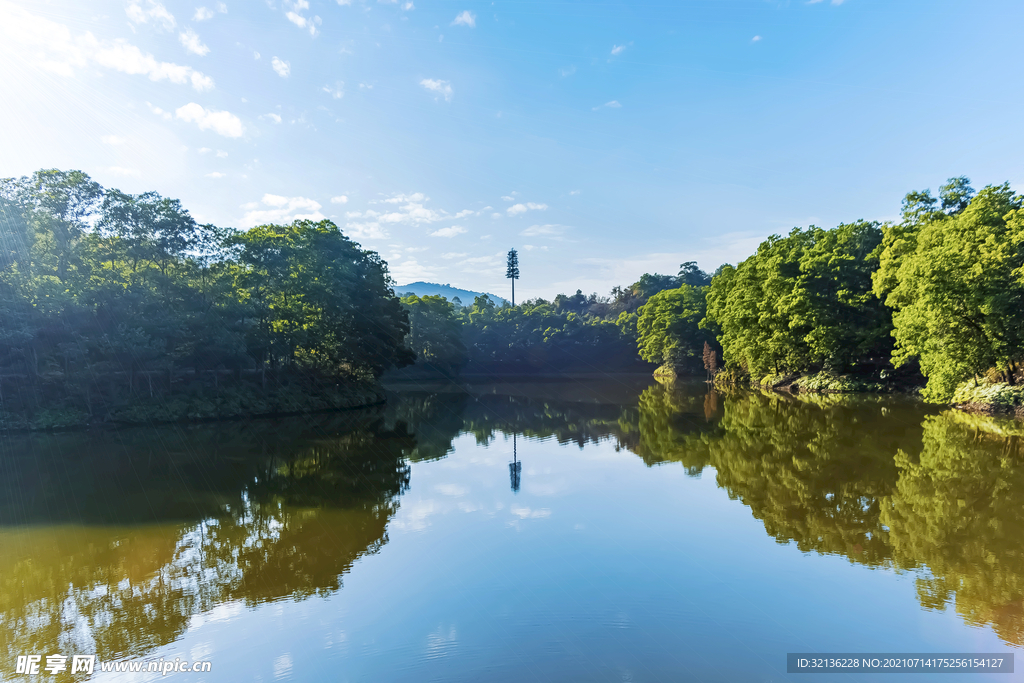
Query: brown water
x,y
522,531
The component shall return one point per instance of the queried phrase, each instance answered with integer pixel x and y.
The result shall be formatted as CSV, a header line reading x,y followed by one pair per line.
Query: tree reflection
x,y
958,510
868,480
115,543
298,504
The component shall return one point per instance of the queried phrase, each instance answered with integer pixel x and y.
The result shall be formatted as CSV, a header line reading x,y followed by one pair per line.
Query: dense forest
x,y
123,307
935,299
941,291
576,332
120,306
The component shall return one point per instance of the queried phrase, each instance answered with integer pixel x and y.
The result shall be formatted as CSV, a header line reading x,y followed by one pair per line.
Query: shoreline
x,y
225,405
1002,400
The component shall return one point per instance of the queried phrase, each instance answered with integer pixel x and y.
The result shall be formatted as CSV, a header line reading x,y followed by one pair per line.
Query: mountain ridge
x,y
446,290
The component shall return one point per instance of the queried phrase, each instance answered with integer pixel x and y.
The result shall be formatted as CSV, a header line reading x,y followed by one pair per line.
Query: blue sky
x,y
602,139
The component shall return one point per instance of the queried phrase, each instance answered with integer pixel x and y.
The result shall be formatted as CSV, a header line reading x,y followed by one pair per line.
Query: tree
x,y
62,202
435,332
954,282
512,271
690,274
710,360
802,302
668,329
956,194
319,301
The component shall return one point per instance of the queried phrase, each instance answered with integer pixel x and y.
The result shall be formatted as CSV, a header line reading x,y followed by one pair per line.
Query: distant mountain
x,y
447,291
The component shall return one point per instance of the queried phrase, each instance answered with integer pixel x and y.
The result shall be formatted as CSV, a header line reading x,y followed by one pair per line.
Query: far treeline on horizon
x,y
119,306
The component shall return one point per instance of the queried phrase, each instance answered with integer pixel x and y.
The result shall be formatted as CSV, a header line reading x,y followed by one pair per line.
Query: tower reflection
x,y
515,468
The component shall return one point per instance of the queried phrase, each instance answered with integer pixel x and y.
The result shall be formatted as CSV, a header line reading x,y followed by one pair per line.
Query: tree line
x,y
571,331
937,296
939,292
106,297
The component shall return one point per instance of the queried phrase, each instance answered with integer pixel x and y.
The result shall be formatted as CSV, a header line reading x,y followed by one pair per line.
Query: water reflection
x,y
941,495
515,468
116,543
238,514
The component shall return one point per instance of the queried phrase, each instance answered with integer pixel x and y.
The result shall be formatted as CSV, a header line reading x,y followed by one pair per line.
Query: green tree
x,y
803,302
435,332
319,301
668,328
62,203
954,283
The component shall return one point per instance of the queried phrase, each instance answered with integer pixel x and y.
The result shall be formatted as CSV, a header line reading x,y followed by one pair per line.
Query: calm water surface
x,y
571,531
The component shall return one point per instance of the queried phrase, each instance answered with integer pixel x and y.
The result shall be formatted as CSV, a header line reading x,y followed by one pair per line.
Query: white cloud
x,y
129,59
277,209
507,198
619,49
402,198
215,174
166,115
369,230
275,118
452,254
255,55
221,154
549,230
449,232
282,67
755,39
409,210
202,14
340,199
119,170
408,6
464,213
613,104
443,88
567,71
221,122
451,490
411,271
523,208
204,150
154,10
113,140
574,192
466,18
52,46
527,513
308,23
303,22
337,92
192,43
222,8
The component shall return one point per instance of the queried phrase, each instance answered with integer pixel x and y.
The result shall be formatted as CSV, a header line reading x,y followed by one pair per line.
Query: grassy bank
x,y
976,396
819,383
995,398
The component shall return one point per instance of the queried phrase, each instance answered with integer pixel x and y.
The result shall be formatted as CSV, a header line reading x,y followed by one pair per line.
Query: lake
x,y
612,530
